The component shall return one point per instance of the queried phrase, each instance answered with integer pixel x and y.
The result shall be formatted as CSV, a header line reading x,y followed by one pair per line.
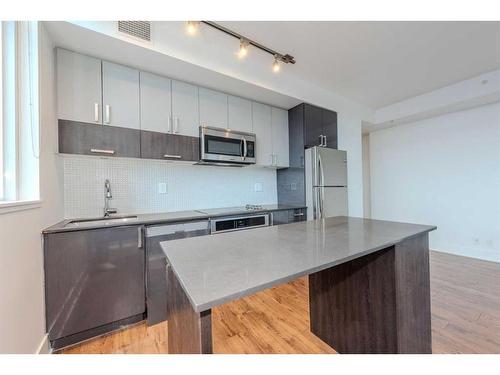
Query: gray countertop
x,y
216,269
166,217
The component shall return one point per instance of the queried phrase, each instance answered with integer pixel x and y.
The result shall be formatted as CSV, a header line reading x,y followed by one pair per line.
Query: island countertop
x,y
220,268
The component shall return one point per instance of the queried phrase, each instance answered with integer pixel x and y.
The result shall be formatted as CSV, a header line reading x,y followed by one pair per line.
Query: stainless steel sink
x,y
101,221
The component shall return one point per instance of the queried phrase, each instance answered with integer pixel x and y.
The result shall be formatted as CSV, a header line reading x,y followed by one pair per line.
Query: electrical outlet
x,y
162,188
293,186
258,186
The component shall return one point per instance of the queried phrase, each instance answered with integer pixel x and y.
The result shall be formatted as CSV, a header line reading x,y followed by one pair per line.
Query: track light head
x,y
243,48
276,65
192,27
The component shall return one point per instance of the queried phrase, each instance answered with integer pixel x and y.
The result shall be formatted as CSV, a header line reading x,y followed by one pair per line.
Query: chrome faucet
x,y
107,196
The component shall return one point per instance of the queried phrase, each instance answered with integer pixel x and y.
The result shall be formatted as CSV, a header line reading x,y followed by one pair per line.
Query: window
x,y
19,140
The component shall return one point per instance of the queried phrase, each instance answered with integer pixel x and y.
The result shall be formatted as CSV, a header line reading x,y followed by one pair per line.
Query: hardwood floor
x,y
465,304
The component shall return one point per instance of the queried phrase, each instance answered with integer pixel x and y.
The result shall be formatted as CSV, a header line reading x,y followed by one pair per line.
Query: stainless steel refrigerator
x,y
326,182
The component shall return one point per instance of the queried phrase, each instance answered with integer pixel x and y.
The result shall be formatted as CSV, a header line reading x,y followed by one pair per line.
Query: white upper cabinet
x,y
263,133
120,95
239,114
78,87
213,108
156,103
279,125
185,111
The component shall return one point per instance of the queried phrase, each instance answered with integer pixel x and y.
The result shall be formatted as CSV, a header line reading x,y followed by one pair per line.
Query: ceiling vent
x,y
136,29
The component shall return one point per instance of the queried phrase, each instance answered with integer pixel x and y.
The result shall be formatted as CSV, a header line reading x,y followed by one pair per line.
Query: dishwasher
x,y
156,278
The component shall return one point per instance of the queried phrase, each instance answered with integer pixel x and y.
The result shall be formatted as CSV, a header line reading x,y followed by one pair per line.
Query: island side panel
x,y
353,305
189,332
413,295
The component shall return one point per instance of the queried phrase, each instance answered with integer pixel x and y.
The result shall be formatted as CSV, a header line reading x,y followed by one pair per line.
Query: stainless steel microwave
x,y
224,146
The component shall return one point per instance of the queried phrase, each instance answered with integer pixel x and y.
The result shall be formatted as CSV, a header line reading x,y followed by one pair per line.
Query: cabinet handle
x,y
324,137
245,149
139,237
107,114
99,151
276,161
169,125
321,140
172,156
272,158
298,215
96,112
176,125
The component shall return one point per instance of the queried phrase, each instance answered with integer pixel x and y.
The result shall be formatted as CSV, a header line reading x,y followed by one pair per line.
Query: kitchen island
x,y
368,281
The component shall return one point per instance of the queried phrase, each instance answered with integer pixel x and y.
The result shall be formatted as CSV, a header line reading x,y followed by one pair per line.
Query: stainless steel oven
x,y
226,146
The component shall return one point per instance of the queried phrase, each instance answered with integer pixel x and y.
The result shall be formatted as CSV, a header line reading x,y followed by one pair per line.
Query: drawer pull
x,y
99,151
297,215
172,156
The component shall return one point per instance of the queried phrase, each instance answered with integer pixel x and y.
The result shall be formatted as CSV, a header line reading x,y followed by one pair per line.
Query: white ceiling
x,y
380,63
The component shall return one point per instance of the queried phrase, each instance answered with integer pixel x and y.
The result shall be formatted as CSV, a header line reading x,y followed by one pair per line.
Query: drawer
x,y
179,229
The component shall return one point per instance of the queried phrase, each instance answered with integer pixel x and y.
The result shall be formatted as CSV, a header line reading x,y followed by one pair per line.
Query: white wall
x,y
134,184
443,171
22,319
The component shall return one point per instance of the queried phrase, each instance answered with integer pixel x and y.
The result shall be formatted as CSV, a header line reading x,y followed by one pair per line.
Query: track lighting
x,y
276,65
243,48
245,43
192,27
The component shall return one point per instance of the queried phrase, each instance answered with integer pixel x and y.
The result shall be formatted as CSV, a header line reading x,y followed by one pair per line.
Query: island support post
x,y
189,332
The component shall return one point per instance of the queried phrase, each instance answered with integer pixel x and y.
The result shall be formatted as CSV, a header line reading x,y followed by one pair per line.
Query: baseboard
x,y
480,257
44,347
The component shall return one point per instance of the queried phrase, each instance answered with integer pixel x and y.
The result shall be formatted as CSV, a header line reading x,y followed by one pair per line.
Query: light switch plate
x,y
162,188
258,186
293,186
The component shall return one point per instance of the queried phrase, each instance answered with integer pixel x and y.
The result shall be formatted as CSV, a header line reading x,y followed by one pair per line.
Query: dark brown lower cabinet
x,y
156,145
288,216
97,139
94,282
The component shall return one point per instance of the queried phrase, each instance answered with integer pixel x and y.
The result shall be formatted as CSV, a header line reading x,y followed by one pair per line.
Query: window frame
x,y
19,116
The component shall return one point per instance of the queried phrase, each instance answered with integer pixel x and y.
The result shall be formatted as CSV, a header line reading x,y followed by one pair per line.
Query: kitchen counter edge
x,y
166,217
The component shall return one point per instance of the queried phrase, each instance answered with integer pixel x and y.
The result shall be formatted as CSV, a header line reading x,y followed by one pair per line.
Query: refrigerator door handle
x,y
321,202
320,171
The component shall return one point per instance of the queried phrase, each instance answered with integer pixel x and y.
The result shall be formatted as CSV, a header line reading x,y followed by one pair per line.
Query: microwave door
x,y
223,147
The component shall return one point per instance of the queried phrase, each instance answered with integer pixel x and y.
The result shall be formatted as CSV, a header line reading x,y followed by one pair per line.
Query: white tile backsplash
x,y
135,185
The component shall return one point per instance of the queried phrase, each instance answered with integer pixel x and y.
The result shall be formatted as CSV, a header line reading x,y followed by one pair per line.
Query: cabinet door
x,y
313,125
92,278
93,139
330,128
280,217
120,95
263,132
213,108
239,114
185,111
279,126
163,146
78,87
156,103
296,136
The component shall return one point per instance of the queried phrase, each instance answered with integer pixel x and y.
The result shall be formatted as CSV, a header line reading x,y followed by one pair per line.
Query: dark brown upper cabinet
x,y
329,121
313,125
96,139
155,145
320,126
